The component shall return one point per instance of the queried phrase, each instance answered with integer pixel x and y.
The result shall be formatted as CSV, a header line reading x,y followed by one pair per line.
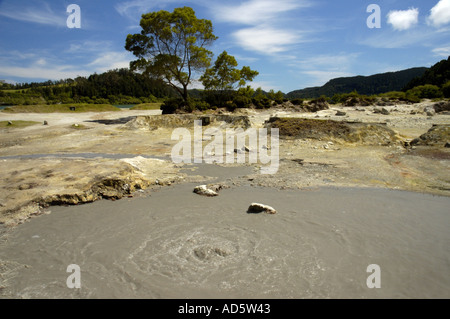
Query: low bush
x,y
427,91
242,101
297,101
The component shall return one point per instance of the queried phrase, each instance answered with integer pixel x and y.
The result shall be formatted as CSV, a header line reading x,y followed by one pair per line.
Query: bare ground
x,y
54,164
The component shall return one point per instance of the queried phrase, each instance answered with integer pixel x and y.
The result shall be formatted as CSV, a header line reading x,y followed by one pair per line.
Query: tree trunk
x,y
185,95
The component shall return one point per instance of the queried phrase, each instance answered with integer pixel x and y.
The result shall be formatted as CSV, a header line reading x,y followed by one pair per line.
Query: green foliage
x,y
426,91
352,99
170,106
261,102
366,85
394,95
120,86
223,79
278,97
172,46
297,101
438,75
247,91
446,89
242,101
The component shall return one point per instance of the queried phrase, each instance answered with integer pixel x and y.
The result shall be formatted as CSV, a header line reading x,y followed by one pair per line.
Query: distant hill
x,y
438,74
368,85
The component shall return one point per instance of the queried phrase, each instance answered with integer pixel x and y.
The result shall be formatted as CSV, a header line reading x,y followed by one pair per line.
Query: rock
x,y
256,208
205,191
437,135
216,187
340,113
443,106
381,111
430,111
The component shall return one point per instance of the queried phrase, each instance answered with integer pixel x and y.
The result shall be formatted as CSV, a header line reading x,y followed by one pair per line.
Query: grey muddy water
x,y
173,243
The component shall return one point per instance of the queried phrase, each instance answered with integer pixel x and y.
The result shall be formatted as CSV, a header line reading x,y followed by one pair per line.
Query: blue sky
x,y
292,43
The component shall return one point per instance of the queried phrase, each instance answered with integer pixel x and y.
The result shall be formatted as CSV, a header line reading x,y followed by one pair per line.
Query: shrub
x,y
446,89
231,106
394,95
200,105
321,100
97,101
242,101
410,97
261,102
297,101
170,106
427,91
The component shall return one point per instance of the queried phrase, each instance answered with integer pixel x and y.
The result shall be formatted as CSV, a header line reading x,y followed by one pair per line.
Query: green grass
x,y
147,106
17,124
61,108
15,91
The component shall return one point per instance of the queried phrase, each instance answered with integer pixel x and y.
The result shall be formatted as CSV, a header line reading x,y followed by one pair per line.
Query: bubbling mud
x,y
176,244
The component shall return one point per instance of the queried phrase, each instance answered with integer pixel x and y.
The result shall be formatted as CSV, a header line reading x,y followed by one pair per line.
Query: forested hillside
x,y
438,74
120,86
367,85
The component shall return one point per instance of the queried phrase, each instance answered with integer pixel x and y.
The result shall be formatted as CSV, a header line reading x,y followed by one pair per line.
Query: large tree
x,y
224,77
172,47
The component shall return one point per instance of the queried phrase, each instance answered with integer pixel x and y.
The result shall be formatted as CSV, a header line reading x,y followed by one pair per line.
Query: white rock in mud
x,y
261,208
205,191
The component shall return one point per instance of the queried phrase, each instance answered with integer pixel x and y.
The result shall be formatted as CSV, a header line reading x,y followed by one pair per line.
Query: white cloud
x,y
322,68
38,72
403,19
265,40
135,8
321,77
89,46
41,14
335,61
263,17
111,60
39,67
256,11
440,14
442,52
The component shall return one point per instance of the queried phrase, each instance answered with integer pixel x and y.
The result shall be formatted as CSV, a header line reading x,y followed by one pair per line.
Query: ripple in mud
x,y
207,253
198,252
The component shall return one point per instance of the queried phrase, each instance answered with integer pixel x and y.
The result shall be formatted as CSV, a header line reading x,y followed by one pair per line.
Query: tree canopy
x,y
172,47
224,76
